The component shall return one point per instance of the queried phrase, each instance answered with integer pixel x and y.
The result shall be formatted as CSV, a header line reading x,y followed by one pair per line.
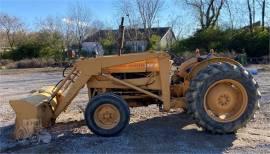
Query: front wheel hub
x,y
107,116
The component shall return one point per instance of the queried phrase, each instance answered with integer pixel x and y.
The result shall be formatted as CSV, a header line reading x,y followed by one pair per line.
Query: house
x,y
135,40
4,46
255,24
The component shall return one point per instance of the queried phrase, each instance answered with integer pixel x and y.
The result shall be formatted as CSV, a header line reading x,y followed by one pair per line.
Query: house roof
x,y
130,34
255,24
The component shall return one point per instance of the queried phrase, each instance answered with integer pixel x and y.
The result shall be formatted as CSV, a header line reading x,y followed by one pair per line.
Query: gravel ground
x,y
150,131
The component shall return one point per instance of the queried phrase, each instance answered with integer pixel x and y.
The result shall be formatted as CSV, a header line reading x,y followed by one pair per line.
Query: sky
x,y
32,11
104,10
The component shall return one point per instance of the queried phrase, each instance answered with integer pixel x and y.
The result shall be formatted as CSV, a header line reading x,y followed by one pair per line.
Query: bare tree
x,y
50,25
68,32
11,26
263,12
177,24
148,10
250,15
230,12
208,11
128,8
262,4
80,18
97,25
140,13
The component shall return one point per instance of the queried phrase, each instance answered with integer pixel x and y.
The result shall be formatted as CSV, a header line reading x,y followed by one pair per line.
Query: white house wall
x,y
167,40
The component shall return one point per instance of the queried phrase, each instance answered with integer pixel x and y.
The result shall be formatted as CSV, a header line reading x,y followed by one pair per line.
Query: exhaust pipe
x,y
122,37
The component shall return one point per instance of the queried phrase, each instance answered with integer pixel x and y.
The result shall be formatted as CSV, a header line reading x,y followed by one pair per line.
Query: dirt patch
x,y
150,131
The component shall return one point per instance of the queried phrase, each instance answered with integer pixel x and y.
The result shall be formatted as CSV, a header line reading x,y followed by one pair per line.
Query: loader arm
x,y
73,83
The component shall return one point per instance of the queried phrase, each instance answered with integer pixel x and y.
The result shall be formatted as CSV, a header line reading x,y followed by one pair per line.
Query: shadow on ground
x,y
167,134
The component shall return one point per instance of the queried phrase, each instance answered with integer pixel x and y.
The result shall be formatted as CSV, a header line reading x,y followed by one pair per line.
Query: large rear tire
x,y
222,97
107,114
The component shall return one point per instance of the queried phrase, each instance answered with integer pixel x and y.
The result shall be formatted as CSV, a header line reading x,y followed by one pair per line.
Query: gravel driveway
x,y
150,131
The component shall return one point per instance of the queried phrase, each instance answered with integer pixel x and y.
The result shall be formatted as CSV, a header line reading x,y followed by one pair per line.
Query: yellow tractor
x,y
218,92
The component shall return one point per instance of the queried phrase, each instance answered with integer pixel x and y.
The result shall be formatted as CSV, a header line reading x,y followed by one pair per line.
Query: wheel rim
x,y
225,100
106,116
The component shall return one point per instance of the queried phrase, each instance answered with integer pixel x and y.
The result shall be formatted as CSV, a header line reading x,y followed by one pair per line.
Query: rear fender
x,y
201,65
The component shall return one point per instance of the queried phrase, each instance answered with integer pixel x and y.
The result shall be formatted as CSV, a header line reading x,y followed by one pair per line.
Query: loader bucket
x,y
33,113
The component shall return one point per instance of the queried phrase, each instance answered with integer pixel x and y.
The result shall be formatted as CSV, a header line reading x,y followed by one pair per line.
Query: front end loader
x,y
218,92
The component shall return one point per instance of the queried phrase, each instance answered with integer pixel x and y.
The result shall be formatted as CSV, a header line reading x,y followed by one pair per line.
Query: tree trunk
x,y
250,16
10,40
263,13
253,12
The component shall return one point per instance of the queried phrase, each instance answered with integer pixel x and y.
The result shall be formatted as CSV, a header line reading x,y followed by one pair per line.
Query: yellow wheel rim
x,y
106,116
225,100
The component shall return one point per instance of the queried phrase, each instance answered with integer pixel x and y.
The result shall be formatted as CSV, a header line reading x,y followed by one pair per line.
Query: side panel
x,y
150,65
152,83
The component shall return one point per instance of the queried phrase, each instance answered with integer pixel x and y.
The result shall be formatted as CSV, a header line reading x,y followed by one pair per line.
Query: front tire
x,y
107,115
222,97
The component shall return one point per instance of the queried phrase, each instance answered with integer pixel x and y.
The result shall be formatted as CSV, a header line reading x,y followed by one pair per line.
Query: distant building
x,y
255,24
92,48
135,40
4,46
